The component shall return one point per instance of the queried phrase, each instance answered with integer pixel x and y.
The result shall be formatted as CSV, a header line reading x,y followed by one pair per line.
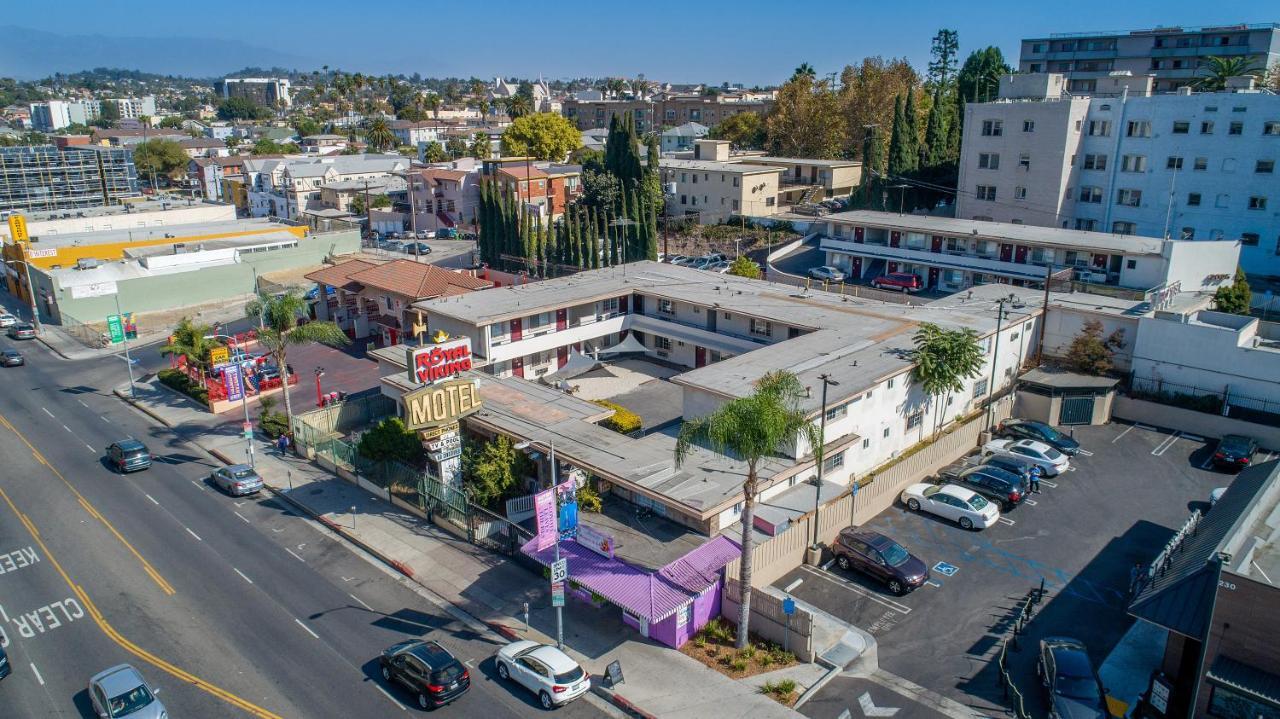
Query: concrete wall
x,y
1192,422
768,621
178,214
1208,356
1063,325
1193,263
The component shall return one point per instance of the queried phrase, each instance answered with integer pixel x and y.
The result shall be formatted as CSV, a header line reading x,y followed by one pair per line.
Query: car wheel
x,y
966,523
843,562
913,505
545,698
503,672
895,586
386,674
423,701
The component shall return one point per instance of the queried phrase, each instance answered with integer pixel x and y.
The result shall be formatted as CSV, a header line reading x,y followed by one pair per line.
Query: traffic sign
x,y
788,606
557,594
248,429
115,328
559,570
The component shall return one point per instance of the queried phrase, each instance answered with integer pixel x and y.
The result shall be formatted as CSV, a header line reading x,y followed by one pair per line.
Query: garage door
x,y
1076,410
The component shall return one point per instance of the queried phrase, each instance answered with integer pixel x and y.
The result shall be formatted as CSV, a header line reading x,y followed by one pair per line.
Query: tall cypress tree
x,y
899,159
593,240
636,247
526,235
651,232
611,144
482,231
955,126
935,132
611,237
911,131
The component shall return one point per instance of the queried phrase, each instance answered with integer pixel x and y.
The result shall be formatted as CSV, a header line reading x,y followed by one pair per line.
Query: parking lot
x,y
1128,490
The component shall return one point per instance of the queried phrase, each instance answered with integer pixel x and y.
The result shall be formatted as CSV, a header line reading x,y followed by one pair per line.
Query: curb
x,y
147,411
620,702
55,350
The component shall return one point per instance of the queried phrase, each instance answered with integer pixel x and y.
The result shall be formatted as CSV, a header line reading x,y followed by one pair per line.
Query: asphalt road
x,y
230,607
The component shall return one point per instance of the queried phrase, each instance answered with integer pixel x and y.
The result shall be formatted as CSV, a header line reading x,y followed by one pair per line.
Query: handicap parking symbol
x,y
947,570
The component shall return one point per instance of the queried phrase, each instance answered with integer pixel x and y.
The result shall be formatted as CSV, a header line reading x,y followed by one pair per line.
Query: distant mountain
x,y
28,54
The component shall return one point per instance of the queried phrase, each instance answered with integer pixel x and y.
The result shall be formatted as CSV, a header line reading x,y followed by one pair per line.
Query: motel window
x,y
1028,126
986,192
834,413
609,306
761,328
1095,162
1173,163
915,419
1123,228
1138,128
1181,128
988,161
992,128
979,388
666,307
661,343
1187,233
834,462
1019,193
1235,128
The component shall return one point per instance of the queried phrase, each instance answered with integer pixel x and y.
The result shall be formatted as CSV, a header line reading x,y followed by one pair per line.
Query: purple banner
x,y
544,507
233,381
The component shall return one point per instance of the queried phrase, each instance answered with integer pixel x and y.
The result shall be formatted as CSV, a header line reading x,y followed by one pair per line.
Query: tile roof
x,y
339,275
418,280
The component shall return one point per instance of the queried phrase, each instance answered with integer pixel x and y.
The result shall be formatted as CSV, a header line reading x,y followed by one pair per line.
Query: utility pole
x,y
413,216
820,455
995,358
555,489
128,361
1044,312
368,210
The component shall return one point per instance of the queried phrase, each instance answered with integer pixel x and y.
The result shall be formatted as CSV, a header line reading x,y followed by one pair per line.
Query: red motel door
x,y
895,238
933,277
859,234
893,267
1006,253
1021,255
517,329
562,319
856,267
1100,261
699,356
517,366
562,356
622,303
937,243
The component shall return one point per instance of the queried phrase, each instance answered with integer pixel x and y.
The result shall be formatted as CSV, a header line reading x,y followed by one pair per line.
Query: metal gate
x,y
1076,410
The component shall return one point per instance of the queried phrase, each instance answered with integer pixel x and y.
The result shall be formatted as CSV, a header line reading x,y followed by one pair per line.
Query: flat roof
x,y
178,233
752,159
132,207
1005,232
740,168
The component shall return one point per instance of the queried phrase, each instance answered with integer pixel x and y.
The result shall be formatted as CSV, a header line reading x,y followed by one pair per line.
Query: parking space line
x,y
1126,431
37,673
47,412
197,536
1006,520
299,621
387,694
153,499
1029,502
1084,453
1207,461
362,603
933,584
295,556
1165,445
1047,483
1146,427
246,521
242,576
792,586
859,590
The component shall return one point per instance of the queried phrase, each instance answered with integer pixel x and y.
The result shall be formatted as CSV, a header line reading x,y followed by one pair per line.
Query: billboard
x,y
438,404
437,362
233,381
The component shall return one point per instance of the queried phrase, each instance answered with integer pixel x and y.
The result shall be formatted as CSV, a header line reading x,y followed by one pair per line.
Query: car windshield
x,y
570,676
1076,687
130,702
978,502
242,474
895,554
929,492
1052,453
448,674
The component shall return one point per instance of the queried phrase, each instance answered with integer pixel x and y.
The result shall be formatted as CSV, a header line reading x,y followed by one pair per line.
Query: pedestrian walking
x,y
1035,479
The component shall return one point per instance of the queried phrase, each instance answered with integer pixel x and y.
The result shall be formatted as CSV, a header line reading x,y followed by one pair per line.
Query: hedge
x,y
178,380
623,421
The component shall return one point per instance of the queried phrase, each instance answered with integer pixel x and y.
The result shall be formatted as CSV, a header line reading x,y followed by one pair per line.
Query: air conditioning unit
x,y
87,263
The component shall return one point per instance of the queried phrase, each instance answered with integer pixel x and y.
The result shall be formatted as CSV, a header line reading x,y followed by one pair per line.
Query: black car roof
x,y
1070,657
432,654
130,444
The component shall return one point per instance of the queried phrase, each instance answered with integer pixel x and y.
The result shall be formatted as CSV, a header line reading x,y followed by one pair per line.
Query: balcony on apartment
x,y
992,261
546,337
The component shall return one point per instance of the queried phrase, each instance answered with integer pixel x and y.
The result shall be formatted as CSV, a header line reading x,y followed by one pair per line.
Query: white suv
x,y
544,670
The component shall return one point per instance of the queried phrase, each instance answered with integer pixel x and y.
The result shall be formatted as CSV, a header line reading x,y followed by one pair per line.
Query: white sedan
x,y
543,670
7,320
962,506
1030,451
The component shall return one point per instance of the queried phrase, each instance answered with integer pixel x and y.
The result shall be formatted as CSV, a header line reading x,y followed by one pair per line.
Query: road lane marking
x,y
104,419
153,499
299,621
358,599
82,404
129,646
48,412
1126,431
859,590
67,428
37,673
791,587
237,571
198,485
387,694
197,536
246,521
295,556
90,448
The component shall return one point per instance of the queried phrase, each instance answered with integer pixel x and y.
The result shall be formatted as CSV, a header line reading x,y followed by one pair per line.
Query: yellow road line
x,y
165,586
124,642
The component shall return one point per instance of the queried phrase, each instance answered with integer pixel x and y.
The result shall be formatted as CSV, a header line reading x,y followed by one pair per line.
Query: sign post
x,y
115,326
788,608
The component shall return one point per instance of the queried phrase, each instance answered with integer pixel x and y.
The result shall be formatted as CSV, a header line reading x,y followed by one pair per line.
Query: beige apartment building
x,y
659,113
712,187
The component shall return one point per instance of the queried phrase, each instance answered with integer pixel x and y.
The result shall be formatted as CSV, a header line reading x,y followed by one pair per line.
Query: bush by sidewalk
x,y
713,646
176,379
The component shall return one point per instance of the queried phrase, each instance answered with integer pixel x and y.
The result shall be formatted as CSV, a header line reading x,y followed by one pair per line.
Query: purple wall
x,y
706,607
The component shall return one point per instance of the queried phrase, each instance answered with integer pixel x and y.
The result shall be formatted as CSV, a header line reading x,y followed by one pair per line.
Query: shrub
x,y
738,665
589,499
700,641
390,440
273,424
747,652
176,379
623,421
786,686
765,660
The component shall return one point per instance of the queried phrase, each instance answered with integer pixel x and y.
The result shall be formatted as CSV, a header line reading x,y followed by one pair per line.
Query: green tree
x,y
434,152
492,471
934,151
172,122
911,131
519,106
806,120
192,340
942,58
164,157
280,330
543,135
265,146
241,108
390,440
1217,70
744,130
979,77
108,114
305,126
1236,297
900,154
806,71
1090,353
944,359
751,429
480,147
456,147
742,266
866,96
599,189
378,135
376,202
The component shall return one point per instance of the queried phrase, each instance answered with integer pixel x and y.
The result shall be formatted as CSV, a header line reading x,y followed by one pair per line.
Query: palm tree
x,y
805,70
519,106
943,360
432,103
616,86
280,329
378,135
641,87
1218,70
752,428
191,340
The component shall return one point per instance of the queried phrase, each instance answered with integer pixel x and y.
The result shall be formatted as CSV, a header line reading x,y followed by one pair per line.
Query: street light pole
x,y
244,401
820,454
556,495
133,394
995,359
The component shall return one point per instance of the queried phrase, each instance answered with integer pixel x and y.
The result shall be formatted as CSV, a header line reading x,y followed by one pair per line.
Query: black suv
x,y
1234,451
1005,488
878,556
1071,685
1040,432
128,455
426,669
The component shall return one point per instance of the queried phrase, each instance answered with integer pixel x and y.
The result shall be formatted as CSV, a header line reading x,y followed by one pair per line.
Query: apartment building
x,y
412,133
955,254
1188,166
50,116
546,187
270,92
659,112
681,138
285,187
57,114
209,172
44,177
446,196
1174,56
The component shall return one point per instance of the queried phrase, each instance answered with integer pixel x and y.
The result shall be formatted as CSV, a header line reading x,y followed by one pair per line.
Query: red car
x,y
904,281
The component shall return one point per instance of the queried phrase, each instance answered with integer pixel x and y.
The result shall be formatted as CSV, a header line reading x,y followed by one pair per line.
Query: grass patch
x,y
783,691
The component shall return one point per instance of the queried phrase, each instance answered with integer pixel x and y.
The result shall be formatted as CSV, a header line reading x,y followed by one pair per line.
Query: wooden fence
x,y
877,491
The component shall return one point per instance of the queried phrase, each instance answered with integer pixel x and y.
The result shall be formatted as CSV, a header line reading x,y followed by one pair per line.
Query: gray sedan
x,y
237,480
121,691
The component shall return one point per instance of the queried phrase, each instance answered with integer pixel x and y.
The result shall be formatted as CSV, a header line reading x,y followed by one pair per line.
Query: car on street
x,y
12,358
1235,451
961,505
424,235
904,281
544,670
713,257
7,320
393,235
128,455
393,246
1040,454
122,692
880,558
1039,431
417,248
23,331
827,273
237,480
428,670
1006,489
1071,685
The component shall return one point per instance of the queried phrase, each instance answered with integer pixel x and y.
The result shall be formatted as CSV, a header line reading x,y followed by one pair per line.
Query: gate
x,y
1076,410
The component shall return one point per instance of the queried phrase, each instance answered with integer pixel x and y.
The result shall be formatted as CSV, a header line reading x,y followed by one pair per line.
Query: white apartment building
x,y
50,116
415,133
1187,166
57,114
285,187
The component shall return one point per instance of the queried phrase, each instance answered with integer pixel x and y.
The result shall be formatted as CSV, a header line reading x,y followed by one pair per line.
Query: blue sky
x,y
749,41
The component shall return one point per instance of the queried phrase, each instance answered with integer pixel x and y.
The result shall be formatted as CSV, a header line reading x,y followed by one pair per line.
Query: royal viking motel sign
x,y
442,400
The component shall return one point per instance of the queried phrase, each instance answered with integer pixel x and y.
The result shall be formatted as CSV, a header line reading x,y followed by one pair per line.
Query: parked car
x,y
122,692
8,320
1006,489
1047,458
393,246
684,261
721,267
715,257
827,273
811,209
677,259
12,358
237,480
1071,685
314,292
1039,431
267,371
394,235
544,670
904,281
880,558
1235,451
1016,465
426,669
417,248
129,455
961,505
23,331
423,235
447,233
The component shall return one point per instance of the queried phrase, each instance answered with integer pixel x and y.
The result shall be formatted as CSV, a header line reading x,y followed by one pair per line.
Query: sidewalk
x,y
485,587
